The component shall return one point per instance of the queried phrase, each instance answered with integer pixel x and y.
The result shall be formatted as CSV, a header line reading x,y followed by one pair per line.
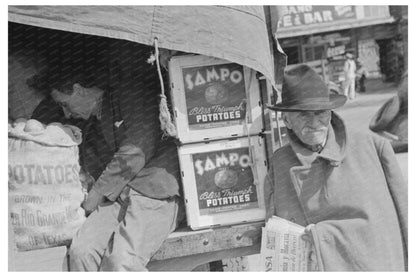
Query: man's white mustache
x,y
315,130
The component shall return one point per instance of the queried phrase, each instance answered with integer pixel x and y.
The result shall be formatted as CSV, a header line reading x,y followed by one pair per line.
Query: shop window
x,y
293,54
319,52
308,53
314,52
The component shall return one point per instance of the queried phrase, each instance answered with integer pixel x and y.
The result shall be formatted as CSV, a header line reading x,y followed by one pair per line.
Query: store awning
x,y
330,26
236,33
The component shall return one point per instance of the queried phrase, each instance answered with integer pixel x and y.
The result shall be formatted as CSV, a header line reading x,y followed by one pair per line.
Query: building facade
x,y
321,35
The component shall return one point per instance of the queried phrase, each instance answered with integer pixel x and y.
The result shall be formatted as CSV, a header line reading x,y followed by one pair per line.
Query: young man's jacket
x,y
125,147
353,192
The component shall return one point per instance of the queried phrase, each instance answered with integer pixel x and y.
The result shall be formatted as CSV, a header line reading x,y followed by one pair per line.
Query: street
x,y
358,112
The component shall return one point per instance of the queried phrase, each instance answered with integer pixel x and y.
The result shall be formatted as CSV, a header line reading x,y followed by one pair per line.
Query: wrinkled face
x,y
311,127
79,104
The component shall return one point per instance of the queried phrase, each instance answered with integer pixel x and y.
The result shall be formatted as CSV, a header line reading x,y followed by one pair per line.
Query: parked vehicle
x,y
240,34
391,120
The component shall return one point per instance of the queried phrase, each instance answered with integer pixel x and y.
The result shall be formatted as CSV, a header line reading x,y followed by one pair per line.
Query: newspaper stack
x,y
282,248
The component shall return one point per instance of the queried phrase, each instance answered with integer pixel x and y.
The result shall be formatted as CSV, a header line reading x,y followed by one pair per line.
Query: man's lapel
x,y
107,121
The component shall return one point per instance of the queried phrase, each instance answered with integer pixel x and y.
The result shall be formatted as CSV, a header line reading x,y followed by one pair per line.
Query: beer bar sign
x,y
215,95
293,16
224,181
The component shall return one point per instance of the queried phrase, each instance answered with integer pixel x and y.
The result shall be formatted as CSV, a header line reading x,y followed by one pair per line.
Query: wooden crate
x,y
184,250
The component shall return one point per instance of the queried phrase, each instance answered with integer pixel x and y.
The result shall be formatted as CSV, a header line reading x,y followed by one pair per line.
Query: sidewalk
x,y
378,86
377,93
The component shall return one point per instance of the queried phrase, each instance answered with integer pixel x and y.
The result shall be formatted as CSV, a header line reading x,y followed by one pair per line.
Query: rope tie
x,y
250,146
166,124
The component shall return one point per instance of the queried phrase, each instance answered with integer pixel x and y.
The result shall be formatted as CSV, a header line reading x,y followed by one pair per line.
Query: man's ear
x,y
78,89
286,120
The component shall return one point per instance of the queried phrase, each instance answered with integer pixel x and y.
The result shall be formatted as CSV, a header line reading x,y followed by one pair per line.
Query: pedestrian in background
x,y
349,74
361,76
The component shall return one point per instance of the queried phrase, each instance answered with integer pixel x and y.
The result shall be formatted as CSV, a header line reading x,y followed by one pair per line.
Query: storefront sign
x,y
293,16
368,55
335,51
224,181
215,95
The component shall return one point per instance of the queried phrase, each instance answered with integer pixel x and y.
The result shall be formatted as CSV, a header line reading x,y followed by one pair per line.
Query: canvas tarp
x,y
238,34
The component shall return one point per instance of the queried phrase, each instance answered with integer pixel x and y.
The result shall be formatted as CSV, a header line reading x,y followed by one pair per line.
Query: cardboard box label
x,y
224,181
215,95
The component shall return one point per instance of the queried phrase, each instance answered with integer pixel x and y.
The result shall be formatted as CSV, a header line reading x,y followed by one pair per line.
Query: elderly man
x,y
345,187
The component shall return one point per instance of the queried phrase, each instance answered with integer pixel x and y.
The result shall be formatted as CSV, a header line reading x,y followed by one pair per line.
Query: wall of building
x,y
308,33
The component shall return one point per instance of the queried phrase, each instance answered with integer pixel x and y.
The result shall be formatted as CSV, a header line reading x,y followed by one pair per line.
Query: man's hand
x,y
312,259
72,131
307,235
87,181
94,199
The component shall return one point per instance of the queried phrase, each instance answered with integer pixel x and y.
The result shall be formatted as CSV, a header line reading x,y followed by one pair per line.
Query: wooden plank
x,y
53,259
187,263
183,250
185,243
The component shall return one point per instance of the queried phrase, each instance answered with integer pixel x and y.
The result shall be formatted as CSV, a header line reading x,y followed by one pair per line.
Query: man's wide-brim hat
x,y
304,90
